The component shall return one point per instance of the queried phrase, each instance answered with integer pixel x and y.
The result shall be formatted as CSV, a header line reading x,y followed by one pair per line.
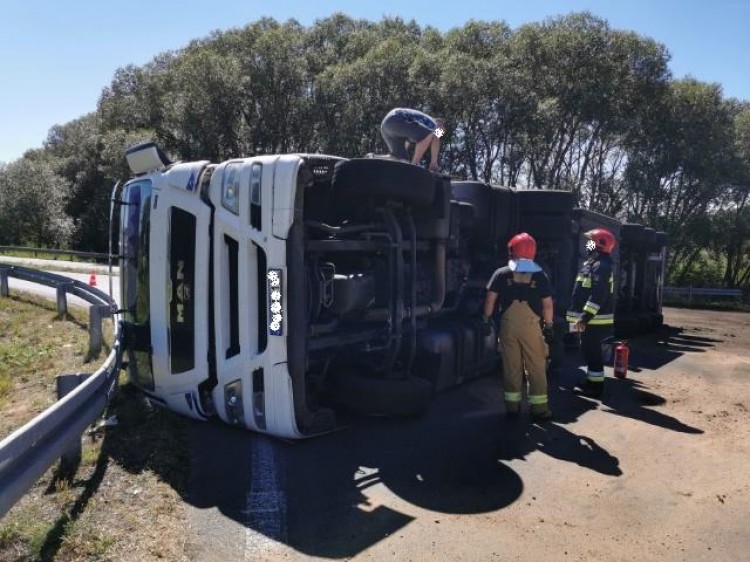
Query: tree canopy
x,y
568,103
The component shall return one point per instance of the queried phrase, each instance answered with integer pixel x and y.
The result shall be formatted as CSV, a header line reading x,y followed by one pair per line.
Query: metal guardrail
x,y
54,252
27,453
702,292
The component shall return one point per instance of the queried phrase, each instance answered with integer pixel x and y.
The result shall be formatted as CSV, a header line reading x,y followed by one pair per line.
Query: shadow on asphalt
x,y
628,397
653,351
347,491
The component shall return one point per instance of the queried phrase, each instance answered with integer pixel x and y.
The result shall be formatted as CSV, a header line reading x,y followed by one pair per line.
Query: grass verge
x,y
124,501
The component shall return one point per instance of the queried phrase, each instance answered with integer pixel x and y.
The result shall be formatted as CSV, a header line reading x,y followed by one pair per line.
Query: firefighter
x,y
525,295
592,306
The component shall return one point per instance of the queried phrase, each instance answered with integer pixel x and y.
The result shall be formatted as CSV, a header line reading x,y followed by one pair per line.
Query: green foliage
x,y
567,103
32,201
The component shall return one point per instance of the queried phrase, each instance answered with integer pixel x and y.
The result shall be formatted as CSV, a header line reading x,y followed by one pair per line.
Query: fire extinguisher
x,y
621,359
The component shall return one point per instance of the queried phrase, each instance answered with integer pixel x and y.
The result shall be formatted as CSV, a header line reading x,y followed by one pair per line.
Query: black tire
x,y
626,326
479,196
563,276
556,227
658,320
645,322
556,354
474,192
387,179
544,201
632,233
649,237
372,396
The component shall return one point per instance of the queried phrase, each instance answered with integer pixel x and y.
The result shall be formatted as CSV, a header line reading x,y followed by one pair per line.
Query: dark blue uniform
x,y
593,302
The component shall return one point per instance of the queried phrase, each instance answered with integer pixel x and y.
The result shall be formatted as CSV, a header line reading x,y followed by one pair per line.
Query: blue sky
x,y
55,57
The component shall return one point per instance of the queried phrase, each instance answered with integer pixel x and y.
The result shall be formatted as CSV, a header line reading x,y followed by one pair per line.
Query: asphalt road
x,y
631,477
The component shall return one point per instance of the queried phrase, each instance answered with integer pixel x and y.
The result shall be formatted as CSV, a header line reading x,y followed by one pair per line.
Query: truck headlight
x,y
275,304
230,189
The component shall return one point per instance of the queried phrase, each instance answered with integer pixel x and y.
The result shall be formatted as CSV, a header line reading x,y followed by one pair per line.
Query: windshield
x,y
134,279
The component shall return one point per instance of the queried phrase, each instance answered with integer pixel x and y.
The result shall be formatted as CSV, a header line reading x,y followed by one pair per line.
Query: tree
x,y
567,103
32,201
685,169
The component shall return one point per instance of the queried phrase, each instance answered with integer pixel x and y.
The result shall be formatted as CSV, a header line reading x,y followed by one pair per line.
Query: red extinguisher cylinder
x,y
622,352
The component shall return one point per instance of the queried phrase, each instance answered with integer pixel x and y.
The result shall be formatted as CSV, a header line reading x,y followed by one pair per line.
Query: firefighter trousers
x,y
591,345
523,348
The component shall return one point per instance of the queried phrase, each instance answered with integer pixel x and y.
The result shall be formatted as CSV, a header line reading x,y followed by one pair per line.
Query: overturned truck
x,y
274,292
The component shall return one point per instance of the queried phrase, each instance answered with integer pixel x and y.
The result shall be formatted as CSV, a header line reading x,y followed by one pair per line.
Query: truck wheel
x,y
662,239
632,233
389,179
626,326
649,238
372,396
554,227
658,321
531,201
556,355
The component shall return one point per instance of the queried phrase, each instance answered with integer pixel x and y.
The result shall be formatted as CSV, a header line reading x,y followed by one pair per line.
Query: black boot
x,y
540,417
593,389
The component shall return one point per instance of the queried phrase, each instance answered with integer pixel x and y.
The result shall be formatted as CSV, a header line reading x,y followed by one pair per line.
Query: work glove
x,y
549,334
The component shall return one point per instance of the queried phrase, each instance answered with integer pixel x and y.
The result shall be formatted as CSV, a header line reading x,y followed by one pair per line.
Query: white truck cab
x,y
203,286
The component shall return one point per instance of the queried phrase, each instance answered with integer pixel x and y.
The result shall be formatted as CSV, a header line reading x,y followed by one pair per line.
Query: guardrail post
x,y
4,282
62,298
96,313
71,458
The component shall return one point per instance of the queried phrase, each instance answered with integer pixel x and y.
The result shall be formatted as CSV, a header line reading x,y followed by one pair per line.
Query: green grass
x,y
35,345
5,385
26,532
41,254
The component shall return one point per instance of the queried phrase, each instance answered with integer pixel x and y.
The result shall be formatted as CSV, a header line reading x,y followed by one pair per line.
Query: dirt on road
x,y
659,469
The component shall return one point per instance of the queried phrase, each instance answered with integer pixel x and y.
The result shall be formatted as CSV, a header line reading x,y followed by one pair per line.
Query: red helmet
x,y
522,246
603,239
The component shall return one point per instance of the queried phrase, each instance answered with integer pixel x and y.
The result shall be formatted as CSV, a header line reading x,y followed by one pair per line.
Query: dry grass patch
x,y
36,345
124,502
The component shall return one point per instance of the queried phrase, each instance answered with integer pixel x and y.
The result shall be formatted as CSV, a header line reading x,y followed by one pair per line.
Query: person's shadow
x,y
556,441
623,397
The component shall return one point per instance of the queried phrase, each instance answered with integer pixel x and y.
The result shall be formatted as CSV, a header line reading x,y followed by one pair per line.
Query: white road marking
x,y
265,523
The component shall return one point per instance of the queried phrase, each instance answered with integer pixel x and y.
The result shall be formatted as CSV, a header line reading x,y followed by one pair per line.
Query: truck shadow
x,y
339,494
652,351
347,491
